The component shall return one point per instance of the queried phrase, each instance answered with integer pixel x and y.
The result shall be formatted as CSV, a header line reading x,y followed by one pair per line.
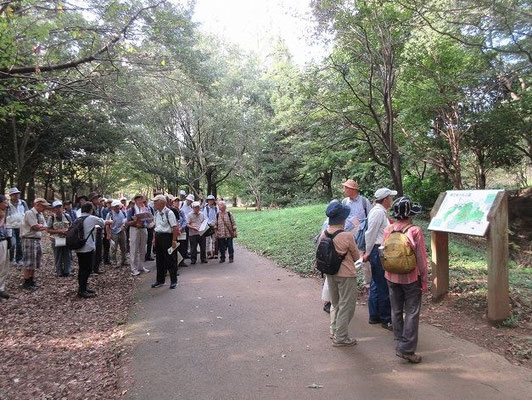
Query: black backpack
x,y
328,260
75,237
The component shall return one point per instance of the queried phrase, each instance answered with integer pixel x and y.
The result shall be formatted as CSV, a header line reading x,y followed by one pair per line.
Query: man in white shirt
x,y
379,298
138,219
14,216
165,237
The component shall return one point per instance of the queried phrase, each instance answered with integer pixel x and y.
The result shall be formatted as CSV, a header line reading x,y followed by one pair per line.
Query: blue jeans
x,y
62,260
16,246
379,297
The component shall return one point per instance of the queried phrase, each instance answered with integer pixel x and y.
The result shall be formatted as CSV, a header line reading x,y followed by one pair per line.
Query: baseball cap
x,y
382,193
57,203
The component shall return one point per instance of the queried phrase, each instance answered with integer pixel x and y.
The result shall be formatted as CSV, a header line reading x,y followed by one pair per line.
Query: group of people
x,y
171,227
394,298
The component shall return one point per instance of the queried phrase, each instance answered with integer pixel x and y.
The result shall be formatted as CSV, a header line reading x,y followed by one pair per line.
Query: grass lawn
x,y
286,236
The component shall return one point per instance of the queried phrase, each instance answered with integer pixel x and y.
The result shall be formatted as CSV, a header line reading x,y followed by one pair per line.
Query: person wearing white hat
x,y
186,208
14,216
379,298
31,230
58,224
211,212
138,219
194,221
116,232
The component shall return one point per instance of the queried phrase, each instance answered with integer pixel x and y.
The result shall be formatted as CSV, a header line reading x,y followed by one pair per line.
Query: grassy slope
x,y
285,235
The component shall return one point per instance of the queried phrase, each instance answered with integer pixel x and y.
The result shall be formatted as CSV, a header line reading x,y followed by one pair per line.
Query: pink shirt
x,y
415,235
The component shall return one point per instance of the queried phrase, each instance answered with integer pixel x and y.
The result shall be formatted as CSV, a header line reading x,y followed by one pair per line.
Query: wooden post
x,y
440,256
498,254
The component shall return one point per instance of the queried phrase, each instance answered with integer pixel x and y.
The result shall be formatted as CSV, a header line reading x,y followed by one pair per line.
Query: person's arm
x,y
353,248
108,227
421,257
35,227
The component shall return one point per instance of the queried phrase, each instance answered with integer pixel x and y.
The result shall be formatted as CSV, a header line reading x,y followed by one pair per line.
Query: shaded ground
x,y
54,345
252,330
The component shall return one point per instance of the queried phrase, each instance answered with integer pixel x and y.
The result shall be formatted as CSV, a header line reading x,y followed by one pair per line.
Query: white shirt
x,y
90,222
186,208
165,220
377,223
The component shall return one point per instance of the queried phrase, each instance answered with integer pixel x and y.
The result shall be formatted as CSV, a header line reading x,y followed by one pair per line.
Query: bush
x,y
424,191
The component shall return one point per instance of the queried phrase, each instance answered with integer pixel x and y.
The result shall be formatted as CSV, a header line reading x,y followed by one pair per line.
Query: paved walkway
x,y
252,330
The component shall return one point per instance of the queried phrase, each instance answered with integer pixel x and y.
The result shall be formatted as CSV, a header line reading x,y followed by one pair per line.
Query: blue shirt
x,y
360,207
211,213
118,219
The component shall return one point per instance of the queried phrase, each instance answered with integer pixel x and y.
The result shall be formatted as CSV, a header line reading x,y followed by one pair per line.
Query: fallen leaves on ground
x,y
55,345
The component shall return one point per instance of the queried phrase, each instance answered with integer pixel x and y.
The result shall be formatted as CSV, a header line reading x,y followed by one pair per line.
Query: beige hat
x,y
190,197
159,197
40,200
116,203
196,204
138,195
351,184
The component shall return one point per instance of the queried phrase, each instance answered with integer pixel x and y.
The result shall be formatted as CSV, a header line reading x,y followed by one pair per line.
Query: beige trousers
x,y
343,293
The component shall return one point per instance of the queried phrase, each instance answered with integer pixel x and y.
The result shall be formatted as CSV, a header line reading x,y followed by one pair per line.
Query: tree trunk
x,y
327,183
395,171
31,191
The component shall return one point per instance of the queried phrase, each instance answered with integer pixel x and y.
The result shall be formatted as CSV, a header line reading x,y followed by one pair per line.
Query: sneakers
x,y
86,295
222,260
412,358
231,260
344,343
156,285
388,326
135,273
144,269
173,285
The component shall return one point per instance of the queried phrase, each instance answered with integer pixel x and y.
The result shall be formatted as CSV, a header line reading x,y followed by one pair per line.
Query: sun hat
x,y
190,197
138,195
93,195
182,193
350,183
337,212
40,200
13,190
108,200
57,203
159,197
403,208
210,197
382,193
170,197
116,203
196,204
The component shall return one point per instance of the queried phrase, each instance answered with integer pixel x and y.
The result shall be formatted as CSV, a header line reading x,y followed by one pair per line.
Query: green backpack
x,y
398,255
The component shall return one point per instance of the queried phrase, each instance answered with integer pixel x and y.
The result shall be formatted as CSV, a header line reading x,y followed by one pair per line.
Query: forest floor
x,y
55,345
286,236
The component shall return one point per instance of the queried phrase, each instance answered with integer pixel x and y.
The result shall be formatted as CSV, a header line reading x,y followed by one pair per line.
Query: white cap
x,y
159,197
382,193
57,203
13,190
210,197
116,203
182,193
123,198
196,204
190,197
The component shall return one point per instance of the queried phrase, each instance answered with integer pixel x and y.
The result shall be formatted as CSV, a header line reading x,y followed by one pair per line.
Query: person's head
x,y
3,202
189,199
102,201
196,207
222,206
40,204
403,208
123,201
67,205
94,198
139,200
115,206
159,202
182,195
130,204
14,194
384,196
57,207
211,200
350,188
82,200
108,203
337,213
87,208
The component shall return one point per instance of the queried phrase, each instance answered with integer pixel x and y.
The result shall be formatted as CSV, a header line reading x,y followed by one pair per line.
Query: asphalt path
x,y
253,330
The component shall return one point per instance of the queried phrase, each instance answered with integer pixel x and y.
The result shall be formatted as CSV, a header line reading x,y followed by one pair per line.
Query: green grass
x,y
286,236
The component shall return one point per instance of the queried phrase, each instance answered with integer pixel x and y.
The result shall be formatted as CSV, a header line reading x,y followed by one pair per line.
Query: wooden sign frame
x,y
498,256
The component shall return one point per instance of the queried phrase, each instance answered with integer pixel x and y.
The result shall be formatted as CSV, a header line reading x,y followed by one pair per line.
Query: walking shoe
x,y
4,295
97,272
28,286
193,262
86,295
204,261
327,307
222,260
344,343
388,326
173,285
412,358
156,285
90,291
135,273
374,321
231,260
144,269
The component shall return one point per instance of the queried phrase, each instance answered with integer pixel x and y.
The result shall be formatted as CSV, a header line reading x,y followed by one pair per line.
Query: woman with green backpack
x,y
404,259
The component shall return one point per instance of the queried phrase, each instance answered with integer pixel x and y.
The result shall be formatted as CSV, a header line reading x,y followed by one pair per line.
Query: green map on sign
x,y
464,211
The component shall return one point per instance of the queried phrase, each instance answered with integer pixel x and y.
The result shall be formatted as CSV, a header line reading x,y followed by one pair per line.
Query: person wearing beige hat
x,y
194,221
58,224
116,232
31,230
359,206
138,219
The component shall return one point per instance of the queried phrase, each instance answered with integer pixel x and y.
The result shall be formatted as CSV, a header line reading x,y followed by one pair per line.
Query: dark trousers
x,y
106,247
149,243
183,249
85,261
405,298
379,298
97,254
164,261
194,241
226,243
15,252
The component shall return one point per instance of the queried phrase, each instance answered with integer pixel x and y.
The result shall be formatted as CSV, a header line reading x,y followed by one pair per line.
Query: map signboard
x,y
464,211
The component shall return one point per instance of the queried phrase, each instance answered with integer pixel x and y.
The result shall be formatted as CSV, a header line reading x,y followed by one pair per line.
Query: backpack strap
x,y
333,235
406,228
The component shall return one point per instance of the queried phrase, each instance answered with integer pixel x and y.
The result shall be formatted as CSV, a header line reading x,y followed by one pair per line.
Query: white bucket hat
x,y
190,197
